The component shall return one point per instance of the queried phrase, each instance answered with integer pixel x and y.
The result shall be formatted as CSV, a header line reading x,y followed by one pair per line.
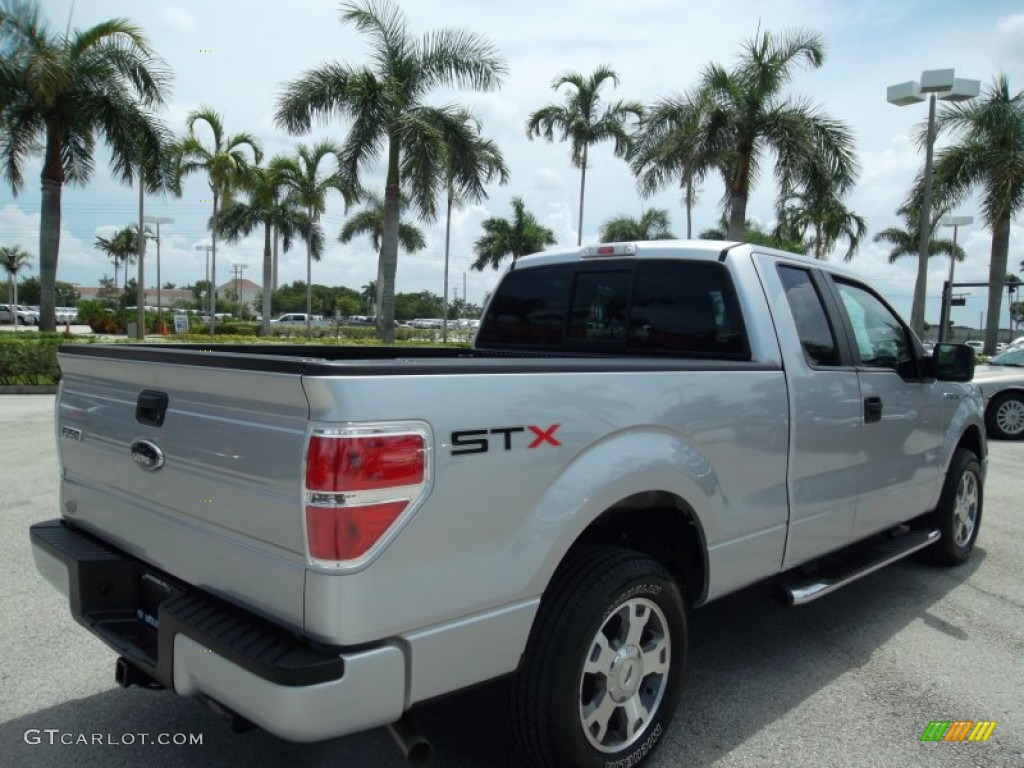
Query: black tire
x,y
631,690
958,514
1004,417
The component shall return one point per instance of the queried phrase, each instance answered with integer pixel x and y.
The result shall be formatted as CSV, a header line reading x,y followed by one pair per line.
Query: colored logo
x,y
958,730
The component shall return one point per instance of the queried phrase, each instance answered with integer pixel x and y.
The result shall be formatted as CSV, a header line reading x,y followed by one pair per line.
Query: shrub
x,y
27,360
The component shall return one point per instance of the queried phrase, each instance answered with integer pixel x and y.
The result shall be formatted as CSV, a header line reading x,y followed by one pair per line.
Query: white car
x,y
297,318
25,315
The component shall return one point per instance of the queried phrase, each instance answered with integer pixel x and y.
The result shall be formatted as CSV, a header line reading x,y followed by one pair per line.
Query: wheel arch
x,y
659,501
661,525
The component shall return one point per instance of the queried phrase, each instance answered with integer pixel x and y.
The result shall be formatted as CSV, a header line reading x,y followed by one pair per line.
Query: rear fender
x,y
621,465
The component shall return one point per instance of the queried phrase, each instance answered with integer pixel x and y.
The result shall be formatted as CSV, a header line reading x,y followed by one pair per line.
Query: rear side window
x,y
529,309
652,307
685,307
812,326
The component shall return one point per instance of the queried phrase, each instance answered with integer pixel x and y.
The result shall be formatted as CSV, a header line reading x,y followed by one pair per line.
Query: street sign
x,y
181,323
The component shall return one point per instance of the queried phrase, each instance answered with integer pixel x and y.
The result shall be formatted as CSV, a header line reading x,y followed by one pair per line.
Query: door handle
x,y
872,409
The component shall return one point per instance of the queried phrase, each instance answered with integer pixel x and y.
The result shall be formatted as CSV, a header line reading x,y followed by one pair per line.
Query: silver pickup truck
x,y
317,539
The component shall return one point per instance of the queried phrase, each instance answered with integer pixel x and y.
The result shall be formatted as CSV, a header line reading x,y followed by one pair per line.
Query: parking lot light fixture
x,y
944,84
209,285
158,220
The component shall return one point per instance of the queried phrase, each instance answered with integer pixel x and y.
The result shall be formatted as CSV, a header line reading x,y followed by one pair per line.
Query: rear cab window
x,y
655,307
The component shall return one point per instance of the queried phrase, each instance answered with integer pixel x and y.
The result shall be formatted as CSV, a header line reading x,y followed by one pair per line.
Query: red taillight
x,y
363,463
358,484
345,533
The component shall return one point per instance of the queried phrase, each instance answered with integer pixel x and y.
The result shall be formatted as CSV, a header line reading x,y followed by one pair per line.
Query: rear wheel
x,y
958,515
601,675
1005,416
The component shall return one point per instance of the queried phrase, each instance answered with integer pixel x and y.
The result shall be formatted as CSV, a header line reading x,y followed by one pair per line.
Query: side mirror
x,y
952,362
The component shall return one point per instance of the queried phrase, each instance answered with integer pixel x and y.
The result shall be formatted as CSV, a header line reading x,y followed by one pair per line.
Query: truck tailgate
x,y
222,509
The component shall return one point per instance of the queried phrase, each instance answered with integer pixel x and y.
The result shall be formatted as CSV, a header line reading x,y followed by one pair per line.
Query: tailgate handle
x,y
151,407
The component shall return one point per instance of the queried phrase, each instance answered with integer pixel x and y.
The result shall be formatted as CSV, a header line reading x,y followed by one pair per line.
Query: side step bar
x,y
833,577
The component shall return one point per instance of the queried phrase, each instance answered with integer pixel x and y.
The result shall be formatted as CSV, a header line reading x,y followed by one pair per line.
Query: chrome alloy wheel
x,y
965,508
625,675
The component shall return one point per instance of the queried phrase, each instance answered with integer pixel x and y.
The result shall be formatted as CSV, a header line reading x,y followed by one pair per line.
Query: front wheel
x,y
958,515
1005,416
601,676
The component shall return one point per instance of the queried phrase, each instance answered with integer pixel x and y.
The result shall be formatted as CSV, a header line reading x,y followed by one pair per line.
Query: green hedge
x,y
29,358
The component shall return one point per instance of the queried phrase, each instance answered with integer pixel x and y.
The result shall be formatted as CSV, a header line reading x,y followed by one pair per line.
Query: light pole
x,y
947,297
950,88
158,220
212,293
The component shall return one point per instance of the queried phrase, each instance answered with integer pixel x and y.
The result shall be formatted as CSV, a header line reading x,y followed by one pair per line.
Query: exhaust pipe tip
x,y
410,741
126,675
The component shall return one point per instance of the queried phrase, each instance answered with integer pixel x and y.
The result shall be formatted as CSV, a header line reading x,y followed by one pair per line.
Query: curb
x,y
33,389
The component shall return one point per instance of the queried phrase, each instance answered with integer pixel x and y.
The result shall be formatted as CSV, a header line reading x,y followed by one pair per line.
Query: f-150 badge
x,y
147,455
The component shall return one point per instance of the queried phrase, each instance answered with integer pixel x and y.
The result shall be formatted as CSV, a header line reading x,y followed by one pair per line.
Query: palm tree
x,y
747,115
12,259
301,178
266,208
501,238
905,241
56,93
668,147
653,224
225,165
470,163
389,115
989,155
122,247
370,220
581,120
368,293
819,210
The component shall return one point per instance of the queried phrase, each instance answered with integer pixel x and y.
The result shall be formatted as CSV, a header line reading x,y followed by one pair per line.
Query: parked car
x,y
977,346
297,318
25,315
1001,381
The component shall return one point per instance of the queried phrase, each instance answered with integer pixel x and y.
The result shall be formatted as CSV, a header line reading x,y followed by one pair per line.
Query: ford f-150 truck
x,y
317,539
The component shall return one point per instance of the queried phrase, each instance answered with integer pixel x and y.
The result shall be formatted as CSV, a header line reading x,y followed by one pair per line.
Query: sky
x,y
236,59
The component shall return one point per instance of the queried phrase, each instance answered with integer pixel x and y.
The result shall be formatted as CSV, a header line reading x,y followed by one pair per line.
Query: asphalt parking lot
x,y
851,680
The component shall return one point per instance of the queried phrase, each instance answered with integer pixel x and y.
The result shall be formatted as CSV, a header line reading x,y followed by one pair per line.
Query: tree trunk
x,y
447,245
213,266
737,215
388,263
739,189
996,281
140,315
309,277
268,278
583,184
49,227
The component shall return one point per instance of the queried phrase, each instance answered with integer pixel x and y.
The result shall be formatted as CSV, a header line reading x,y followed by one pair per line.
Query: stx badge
x,y
479,440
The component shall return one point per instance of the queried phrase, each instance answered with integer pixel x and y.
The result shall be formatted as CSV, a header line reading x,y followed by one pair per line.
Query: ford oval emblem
x,y
147,455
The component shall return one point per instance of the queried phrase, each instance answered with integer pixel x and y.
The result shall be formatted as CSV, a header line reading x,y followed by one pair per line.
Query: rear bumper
x,y
194,643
